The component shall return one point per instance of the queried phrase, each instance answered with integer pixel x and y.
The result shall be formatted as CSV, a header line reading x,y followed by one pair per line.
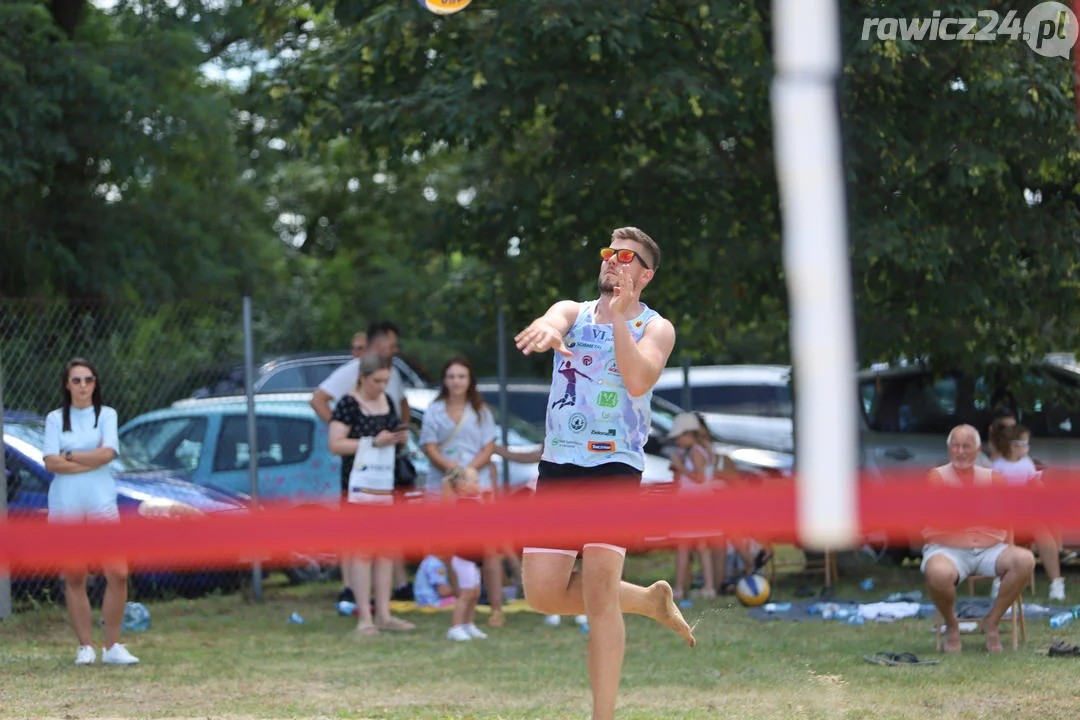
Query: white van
x,y
742,404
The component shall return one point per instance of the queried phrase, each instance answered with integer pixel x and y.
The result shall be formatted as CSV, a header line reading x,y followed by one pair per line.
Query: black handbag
x,y
404,471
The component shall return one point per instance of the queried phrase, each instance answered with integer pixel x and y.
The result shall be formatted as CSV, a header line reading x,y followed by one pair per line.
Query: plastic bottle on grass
x,y
344,607
136,617
777,607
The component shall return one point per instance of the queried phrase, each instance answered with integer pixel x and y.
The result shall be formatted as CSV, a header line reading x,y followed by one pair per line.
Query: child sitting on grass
x,y
462,484
431,586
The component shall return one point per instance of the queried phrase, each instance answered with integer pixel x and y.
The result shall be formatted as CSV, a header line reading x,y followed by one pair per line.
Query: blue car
x,y
141,490
206,440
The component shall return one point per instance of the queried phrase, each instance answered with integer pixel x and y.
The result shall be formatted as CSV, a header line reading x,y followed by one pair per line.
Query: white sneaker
x,y
118,655
1057,589
458,633
86,655
994,587
552,620
475,633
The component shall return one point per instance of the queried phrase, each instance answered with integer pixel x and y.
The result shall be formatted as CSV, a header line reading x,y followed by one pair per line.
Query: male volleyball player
x,y
596,435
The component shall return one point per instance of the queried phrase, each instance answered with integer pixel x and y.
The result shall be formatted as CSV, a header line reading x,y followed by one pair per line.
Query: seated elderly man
x,y
950,556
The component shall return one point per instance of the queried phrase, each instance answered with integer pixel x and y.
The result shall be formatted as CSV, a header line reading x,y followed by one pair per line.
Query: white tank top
x,y
591,418
983,476
686,481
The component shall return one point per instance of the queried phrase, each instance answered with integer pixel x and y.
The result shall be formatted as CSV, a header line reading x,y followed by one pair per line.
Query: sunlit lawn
x,y
223,656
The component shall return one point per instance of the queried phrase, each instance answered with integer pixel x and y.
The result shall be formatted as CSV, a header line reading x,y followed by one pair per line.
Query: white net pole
x,y
806,122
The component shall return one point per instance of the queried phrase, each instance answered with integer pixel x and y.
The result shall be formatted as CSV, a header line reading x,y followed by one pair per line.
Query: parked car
x,y
908,411
141,490
206,440
296,373
745,405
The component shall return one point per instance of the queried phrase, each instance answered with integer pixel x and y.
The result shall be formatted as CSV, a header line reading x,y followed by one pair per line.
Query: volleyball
x,y
753,590
445,7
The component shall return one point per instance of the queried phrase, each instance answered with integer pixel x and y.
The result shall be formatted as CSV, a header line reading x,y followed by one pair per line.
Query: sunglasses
x,y
88,380
623,255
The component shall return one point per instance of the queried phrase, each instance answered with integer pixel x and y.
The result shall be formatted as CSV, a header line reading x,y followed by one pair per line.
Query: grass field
x,y
225,657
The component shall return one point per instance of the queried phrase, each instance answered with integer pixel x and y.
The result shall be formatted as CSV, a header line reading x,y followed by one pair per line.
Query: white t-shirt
x,y
476,432
1020,472
429,576
82,437
344,379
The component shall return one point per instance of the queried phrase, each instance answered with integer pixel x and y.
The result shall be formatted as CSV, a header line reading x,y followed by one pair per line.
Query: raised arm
x,y
640,363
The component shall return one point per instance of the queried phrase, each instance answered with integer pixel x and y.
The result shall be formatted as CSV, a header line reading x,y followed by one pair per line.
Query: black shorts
x,y
560,475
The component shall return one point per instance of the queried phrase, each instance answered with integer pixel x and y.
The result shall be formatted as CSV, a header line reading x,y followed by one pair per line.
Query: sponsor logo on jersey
x,y
578,422
610,432
607,398
587,360
601,446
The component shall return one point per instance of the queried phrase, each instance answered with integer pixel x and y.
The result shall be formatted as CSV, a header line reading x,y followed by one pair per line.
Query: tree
x,y
118,176
578,116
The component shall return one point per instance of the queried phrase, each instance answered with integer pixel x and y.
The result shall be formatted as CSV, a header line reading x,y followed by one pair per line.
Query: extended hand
x,y
539,337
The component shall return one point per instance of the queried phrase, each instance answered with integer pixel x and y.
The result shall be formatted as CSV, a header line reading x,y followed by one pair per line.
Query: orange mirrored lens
x,y
623,256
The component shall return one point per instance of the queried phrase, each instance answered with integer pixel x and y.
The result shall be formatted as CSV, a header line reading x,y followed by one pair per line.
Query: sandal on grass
x,y
366,629
395,625
1060,648
885,658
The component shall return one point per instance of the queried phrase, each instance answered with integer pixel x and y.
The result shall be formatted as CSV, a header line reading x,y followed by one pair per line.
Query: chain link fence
x,y
174,374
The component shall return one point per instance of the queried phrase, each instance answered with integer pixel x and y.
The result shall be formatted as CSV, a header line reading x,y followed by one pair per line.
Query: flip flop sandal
x,y
396,625
895,659
1063,649
366,630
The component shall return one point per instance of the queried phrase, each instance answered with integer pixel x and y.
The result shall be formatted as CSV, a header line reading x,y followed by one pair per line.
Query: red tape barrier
x,y
554,519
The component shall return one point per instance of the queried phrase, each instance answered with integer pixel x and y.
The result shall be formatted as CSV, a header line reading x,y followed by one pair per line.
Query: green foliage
x,y
118,176
386,162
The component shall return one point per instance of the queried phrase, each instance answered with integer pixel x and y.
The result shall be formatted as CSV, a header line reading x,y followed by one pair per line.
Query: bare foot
x,y
952,640
667,612
993,640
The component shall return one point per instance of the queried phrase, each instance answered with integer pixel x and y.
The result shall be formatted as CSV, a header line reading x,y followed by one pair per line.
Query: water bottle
x,y
843,613
777,607
1062,619
344,607
295,619
867,585
136,617
856,619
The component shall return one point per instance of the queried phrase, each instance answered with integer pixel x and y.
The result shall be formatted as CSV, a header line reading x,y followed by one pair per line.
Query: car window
x,y
1047,402
30,433
284,380
761,400
317,373
20,478
529,406
281,440
172,444
916,403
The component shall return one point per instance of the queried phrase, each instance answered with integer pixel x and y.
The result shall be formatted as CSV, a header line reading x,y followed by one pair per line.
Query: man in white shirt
x,y
382,338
